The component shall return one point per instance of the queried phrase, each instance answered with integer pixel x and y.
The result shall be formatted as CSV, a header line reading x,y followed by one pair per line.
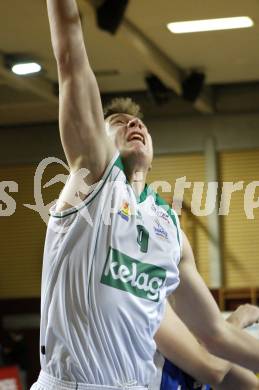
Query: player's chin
x,y
137,147
139,155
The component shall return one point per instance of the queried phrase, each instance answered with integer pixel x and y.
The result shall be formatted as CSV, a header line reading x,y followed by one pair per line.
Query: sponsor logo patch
x,y
160,213
159,230
140,279
124,211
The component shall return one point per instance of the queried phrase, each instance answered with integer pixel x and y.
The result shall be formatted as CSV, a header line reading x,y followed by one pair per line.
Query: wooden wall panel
x,y
22,234
169,168
240,234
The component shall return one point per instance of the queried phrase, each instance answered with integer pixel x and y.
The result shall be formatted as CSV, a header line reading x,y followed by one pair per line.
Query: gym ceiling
x,y
142,59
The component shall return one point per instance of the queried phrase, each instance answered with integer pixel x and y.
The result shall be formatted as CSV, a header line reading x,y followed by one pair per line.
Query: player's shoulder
x,y
170,211
77,193
160,201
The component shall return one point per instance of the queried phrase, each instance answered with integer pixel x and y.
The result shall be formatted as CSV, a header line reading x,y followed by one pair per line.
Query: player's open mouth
x,y
136,137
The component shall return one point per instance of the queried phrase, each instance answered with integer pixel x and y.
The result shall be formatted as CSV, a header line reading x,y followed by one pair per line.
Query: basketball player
x,y
104,283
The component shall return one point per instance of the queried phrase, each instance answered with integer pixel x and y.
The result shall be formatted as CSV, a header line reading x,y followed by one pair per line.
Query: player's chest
x,y
144,228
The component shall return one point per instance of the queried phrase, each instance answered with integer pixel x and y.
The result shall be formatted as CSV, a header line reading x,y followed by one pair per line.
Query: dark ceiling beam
x,y
161,65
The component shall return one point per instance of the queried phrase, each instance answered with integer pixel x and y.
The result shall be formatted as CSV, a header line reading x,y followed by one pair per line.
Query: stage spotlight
x,y
192,86
109,13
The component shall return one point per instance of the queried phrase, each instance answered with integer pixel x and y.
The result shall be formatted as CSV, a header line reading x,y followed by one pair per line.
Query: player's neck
x,y
137,180
136,173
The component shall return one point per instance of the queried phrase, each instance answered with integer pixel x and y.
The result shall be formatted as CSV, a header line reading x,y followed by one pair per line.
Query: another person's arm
x,y
196,307
178,345
81,120
244,316
238,378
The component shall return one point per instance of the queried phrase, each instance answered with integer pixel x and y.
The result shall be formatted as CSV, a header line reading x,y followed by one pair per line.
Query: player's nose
x,y
135,123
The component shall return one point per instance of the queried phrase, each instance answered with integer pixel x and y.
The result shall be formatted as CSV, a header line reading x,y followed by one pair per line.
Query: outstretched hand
x,y
244,316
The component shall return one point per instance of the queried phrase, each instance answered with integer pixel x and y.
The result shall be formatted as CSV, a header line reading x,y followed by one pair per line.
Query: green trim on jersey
x,y
118,163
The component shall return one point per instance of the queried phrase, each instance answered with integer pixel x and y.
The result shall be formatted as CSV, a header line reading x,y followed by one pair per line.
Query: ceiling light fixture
x,y
210,25
26,68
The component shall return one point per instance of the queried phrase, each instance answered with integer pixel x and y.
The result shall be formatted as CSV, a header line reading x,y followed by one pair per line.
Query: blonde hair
x,y
122,106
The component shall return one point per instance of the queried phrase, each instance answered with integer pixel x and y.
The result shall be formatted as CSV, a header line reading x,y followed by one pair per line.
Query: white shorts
x,y
48,382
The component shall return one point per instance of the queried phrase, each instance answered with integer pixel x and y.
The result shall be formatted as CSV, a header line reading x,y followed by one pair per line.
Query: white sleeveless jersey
x,y
108,265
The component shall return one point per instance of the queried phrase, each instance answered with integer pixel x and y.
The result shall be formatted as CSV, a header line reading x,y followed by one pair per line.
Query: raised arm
x,y
81,120
196,307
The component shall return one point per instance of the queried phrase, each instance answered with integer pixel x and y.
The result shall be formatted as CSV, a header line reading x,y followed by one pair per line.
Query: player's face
x,y
131,137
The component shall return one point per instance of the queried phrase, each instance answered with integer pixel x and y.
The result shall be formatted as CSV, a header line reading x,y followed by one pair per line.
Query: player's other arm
x,y
238,378
81,120
196,307
178,345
